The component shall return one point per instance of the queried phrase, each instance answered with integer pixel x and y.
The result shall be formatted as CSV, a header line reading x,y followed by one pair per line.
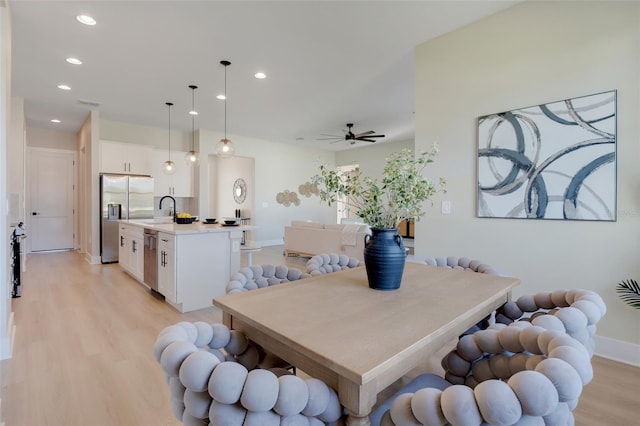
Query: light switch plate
x,y
446,207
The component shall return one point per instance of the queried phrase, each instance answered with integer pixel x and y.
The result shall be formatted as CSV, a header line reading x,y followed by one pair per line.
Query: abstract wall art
x,y
550,161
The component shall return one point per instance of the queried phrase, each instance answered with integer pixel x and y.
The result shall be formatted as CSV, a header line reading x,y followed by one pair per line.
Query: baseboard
x,y
266,243
7,344
618,350
93,260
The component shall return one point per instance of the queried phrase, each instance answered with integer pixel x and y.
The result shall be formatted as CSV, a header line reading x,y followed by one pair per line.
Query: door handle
x,y
34,213
133,246
121,241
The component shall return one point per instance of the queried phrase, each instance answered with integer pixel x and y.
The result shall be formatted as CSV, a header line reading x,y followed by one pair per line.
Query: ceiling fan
x,y
351,137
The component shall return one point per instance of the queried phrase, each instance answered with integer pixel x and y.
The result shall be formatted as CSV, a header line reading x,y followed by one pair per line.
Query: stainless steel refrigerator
x,y
121,197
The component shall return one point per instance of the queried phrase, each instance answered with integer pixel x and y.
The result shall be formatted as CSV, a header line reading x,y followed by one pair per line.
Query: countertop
x,y
179,229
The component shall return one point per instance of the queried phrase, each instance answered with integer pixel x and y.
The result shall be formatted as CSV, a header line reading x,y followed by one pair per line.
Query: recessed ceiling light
x,y
63,87
86,19
55,120
193,112
221,97
260,75
74,61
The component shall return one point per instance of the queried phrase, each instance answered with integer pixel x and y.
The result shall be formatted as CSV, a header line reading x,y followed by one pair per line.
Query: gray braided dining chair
x,y
214,377
529,372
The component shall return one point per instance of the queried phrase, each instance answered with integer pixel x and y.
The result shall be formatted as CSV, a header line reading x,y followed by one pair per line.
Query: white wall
x,y
89,135
6,326
530,54
16,162
51,138
278,166
144,135
223,175
371,158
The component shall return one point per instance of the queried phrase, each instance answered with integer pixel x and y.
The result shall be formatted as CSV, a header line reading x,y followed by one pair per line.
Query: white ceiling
x,y
327,62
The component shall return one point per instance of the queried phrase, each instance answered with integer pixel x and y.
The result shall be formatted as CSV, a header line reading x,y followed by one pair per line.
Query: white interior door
x,y
51,191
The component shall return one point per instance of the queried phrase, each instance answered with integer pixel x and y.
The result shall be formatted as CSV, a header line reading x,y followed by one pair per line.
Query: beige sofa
x,y
311,238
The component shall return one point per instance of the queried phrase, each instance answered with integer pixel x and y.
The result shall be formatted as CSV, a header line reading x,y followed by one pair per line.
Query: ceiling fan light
x,y
168,167
225,148
191,158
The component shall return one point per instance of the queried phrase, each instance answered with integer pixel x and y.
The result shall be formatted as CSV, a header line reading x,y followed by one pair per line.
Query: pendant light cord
x,y
193,117
225,103
169,105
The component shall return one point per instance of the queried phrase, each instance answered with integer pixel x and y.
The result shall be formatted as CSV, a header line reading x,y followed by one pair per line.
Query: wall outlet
x,y
446,207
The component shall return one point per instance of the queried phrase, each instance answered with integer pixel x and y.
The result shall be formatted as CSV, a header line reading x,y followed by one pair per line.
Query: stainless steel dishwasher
x,y
151,258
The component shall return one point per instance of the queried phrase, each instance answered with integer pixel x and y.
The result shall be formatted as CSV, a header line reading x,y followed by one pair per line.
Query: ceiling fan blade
x,y
330,139
375,136
339,140
365,140
333,136
370,132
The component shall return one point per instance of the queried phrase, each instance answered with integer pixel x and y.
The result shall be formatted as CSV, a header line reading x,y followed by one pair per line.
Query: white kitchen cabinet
x,y
167,267
195,268
179,184
128,158
131,250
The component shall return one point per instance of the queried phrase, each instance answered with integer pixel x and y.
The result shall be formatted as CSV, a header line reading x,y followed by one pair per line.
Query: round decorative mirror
x,y
239,190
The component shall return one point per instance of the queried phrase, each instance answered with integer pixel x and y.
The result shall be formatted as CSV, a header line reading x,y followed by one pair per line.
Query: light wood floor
x,y
83,351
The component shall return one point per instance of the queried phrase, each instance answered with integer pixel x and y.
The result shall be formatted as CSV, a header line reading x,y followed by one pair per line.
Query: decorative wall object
x,y
308,189
287,198
551,161
239,190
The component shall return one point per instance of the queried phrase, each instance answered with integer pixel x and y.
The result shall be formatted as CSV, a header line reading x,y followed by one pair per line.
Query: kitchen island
x,y
194,261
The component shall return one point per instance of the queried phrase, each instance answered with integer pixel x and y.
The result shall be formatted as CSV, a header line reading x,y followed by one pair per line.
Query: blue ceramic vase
x,y
384,257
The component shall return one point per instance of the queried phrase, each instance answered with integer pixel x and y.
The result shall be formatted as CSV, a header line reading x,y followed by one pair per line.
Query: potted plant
x,y
382,204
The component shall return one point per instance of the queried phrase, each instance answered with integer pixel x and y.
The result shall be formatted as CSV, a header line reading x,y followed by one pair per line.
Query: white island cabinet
x,y
131,250
195,261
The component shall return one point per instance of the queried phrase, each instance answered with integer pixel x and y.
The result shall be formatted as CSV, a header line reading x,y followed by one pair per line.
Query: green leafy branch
x,y
629,291
384,203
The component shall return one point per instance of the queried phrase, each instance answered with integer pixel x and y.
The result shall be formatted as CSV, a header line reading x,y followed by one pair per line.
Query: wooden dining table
x,y
359,340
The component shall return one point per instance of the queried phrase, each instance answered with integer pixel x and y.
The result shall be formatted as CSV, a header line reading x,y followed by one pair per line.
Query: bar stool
x,y
249,250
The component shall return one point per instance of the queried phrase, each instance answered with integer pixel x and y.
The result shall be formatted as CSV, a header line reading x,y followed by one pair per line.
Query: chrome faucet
x,y
174,205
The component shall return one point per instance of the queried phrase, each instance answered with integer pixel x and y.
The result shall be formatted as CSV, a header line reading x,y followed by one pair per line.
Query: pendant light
x,y
169,167
191,157
225,147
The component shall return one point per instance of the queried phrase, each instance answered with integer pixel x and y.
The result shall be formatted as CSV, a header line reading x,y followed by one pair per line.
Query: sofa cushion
x,y
334,226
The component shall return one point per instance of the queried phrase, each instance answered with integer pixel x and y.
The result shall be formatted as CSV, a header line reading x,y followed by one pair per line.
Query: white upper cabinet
x,y
127,158
179,184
